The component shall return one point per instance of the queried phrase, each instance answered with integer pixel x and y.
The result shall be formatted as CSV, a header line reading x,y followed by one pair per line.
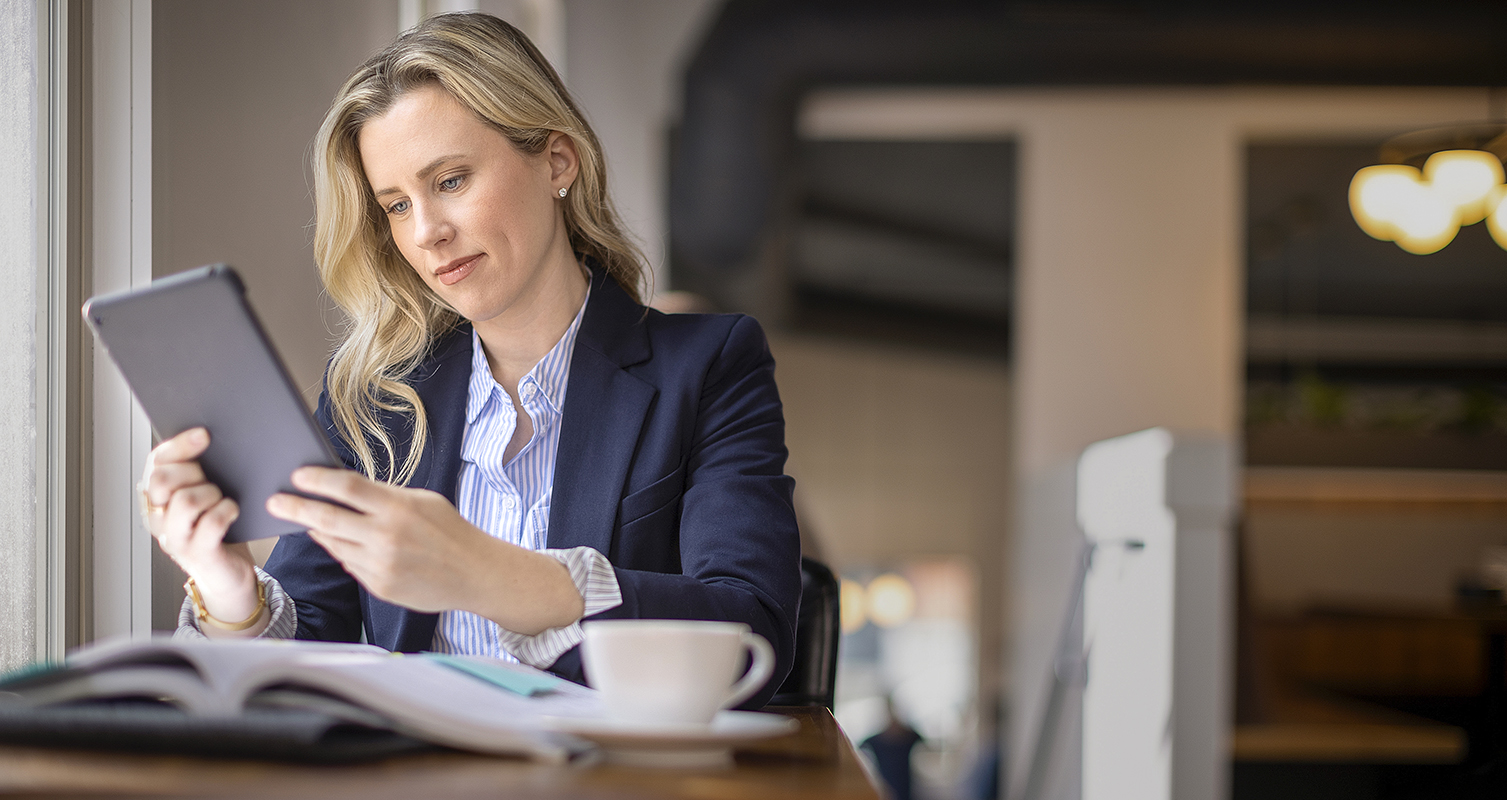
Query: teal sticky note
x,y
516,681
30,672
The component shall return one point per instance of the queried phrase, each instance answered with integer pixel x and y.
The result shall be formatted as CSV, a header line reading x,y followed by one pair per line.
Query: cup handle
x,y
758,673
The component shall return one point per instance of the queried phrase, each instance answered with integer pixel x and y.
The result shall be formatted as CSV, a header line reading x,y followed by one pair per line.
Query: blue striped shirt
x,y
510,500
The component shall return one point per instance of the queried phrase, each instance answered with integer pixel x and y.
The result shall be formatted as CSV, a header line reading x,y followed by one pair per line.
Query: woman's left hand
x,y
412,548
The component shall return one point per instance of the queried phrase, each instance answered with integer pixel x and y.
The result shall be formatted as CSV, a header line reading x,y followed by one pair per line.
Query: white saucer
x,y
675,745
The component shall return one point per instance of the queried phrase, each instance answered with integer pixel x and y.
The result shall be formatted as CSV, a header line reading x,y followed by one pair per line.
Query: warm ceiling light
x,y
1382,195
1393,203
1460,183
892,601
1428,222
850,604
1465,179
1496,222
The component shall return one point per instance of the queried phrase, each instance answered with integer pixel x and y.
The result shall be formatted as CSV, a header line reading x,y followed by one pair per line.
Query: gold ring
x,y
147,506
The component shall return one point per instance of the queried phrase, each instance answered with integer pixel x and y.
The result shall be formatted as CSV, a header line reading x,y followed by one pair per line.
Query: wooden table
x,y
1331,730
816,762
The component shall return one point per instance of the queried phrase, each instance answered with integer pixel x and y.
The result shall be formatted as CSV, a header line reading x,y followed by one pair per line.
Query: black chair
x,y
813,679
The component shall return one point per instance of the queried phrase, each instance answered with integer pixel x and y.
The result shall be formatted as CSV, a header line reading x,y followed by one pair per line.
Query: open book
x,y
466,702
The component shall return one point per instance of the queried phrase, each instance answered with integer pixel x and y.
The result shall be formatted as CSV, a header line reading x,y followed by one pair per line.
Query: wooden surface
x,y
1348,743
1294,706
1336,485
1308,728
816,762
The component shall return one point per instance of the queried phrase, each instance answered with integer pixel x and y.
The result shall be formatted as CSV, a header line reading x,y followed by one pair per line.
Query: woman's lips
x,y
453,274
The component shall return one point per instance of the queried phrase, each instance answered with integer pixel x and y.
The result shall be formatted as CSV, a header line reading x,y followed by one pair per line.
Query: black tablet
x,y
194,354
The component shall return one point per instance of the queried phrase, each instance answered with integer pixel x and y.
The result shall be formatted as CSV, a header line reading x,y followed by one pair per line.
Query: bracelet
x,y
203,615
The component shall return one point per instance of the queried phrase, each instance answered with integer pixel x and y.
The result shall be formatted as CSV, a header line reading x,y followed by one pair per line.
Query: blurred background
x,y
982,235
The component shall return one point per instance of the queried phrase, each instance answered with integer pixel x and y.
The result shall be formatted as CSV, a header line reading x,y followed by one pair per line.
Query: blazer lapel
x,y
605,407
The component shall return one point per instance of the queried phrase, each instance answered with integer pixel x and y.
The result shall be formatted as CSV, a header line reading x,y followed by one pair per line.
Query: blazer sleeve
x,y
738,541
327,598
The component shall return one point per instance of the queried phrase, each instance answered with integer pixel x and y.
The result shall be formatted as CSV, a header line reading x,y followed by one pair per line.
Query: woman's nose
x,y
431,228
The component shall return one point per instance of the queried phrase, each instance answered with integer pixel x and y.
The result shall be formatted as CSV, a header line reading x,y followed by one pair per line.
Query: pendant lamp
x,y
1431,183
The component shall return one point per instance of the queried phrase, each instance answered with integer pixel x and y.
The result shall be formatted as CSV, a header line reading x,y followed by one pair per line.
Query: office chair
x,y
813,679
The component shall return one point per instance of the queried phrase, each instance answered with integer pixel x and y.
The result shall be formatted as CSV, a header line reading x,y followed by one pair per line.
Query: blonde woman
x,y
528,445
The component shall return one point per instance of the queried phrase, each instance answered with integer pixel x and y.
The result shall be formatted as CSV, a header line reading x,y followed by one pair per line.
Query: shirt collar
x,y
550,374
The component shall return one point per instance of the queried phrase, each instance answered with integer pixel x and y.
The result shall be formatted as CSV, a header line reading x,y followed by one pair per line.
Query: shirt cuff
x,y
283,625
595,579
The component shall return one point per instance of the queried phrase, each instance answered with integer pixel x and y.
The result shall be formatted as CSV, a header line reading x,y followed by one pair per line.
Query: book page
x,y
430,700
462,705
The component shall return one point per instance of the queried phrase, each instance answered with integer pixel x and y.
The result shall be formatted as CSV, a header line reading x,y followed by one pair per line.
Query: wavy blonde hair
x,y
394,318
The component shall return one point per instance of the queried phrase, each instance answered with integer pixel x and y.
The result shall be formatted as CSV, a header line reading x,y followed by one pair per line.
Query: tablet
x,y
194,354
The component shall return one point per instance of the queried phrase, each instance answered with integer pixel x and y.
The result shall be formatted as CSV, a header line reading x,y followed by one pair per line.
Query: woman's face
x,y
478,220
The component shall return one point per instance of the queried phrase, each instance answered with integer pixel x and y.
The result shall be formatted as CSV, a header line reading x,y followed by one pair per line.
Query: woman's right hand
x,y
188,516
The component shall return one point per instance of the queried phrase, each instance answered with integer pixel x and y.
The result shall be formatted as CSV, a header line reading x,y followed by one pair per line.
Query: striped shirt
x,y
509,501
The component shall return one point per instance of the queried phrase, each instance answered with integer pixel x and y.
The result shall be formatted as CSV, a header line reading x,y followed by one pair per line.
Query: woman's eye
x,y
398,207
451,184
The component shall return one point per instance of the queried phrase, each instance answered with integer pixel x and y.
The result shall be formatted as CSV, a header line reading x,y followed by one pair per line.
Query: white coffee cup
x,y
672,671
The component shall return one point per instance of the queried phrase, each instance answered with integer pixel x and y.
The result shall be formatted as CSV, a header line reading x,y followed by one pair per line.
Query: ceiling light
x,y
891,600
850,604
1434,182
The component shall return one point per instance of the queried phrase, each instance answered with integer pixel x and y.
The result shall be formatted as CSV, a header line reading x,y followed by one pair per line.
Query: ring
x,y
147,506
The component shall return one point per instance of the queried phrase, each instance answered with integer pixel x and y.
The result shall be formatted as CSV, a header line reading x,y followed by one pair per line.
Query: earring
x,y
562,191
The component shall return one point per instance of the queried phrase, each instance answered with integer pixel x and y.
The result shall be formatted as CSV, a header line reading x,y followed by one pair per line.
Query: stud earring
x,y
562,191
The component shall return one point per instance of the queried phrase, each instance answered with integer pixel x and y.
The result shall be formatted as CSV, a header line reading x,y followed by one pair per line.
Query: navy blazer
x,y
671,463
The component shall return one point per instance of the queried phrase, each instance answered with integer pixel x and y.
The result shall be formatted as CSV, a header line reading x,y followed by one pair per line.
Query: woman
x,y
529,446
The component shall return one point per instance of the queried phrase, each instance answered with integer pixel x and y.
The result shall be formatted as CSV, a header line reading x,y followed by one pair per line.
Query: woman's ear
x,y
564,163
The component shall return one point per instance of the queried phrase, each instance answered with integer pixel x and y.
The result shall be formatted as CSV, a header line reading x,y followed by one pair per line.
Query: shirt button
x,y
527,393
508,503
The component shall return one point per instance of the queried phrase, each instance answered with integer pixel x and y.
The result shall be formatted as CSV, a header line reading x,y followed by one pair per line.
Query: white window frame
x,y
121,258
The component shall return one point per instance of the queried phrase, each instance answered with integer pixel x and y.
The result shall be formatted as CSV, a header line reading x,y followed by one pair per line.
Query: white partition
x,y
1157,507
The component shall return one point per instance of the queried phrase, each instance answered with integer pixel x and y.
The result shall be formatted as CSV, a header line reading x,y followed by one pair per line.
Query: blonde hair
x,y
394,318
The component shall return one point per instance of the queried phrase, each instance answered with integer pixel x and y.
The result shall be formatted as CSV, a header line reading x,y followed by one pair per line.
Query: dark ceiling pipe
x,y
744,84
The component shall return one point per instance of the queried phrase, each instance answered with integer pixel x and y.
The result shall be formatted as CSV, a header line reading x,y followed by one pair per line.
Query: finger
x,y
355,558
316,515
342,550
215,521
184,510
164,479
186,446
351,488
